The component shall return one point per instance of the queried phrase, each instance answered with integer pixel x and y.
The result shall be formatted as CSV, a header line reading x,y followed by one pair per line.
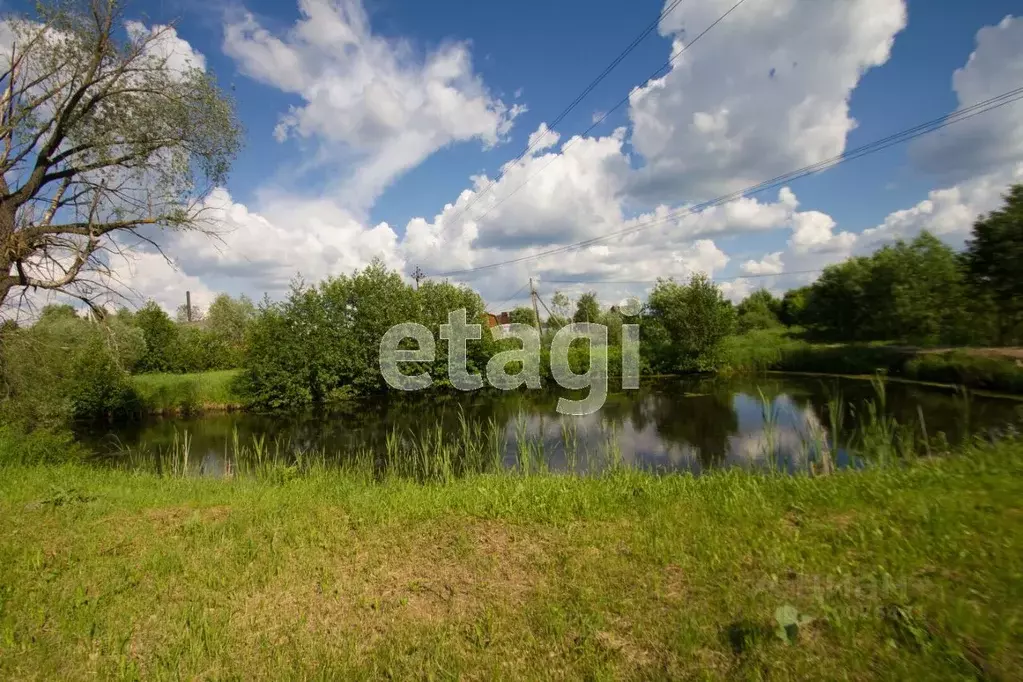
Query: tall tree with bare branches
x,y
108,137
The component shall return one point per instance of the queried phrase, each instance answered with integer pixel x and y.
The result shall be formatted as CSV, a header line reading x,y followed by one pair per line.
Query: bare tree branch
x,y
99,137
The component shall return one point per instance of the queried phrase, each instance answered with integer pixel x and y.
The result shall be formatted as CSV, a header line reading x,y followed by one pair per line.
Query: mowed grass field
x,y
911,571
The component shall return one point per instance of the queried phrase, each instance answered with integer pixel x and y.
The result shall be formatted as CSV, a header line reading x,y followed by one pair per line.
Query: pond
x,y
678,424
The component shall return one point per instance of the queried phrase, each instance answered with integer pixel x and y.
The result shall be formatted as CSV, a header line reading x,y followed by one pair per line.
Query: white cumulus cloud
x,y
771,264
982,156
179,53
765,92
386,108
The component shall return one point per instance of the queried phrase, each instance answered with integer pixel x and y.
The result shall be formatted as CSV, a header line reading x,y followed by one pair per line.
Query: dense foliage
x,y
912,292
993,258
214,340
922,292
65,367
322,342
685,325
587,309
68,367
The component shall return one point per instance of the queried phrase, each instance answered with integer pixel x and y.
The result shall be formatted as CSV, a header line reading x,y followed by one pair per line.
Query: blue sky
x,y
367,153
550,51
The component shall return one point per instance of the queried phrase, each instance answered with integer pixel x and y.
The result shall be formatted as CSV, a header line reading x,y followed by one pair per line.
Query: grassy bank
x,y
907,572
188,393
780,350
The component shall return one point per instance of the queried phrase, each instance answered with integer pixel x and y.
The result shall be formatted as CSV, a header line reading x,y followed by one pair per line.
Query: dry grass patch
x,y
442,574
170,518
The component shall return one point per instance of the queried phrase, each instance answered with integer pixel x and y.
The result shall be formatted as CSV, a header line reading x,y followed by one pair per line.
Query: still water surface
x,y
681,424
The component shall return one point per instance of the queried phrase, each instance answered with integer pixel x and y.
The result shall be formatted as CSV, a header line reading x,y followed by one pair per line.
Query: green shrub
x,y
755,351
686,324
99,388
195,349
42,446
323,342
65,368
160,333
759,310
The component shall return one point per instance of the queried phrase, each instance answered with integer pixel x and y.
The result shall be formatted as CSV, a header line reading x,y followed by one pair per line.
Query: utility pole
x,y
533,296
188,306
550,315
417,275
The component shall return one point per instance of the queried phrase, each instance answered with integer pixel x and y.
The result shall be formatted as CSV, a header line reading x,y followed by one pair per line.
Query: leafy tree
x,y
160,333
792,310
523,315
126,342
910,292
125,314
196,349
436,300
227,320
99,386
376,299
688,323
836,304
101,136
560,305
994,255
278,373
64,368
181,314
587,309
323,342
228,317
613,320
759,310
916,293
55,311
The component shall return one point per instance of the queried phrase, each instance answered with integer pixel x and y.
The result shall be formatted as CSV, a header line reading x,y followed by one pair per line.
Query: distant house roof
x,y
500,318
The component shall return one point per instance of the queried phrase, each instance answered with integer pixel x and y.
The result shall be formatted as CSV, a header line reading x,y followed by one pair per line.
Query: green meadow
x,y
910,569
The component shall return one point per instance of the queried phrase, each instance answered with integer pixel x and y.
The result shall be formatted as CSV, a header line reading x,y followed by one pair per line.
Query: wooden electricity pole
x,y
533,296
417,275
188,306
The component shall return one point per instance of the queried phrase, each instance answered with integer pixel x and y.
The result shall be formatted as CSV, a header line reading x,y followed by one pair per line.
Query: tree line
x,y
922,292
321,342
67,366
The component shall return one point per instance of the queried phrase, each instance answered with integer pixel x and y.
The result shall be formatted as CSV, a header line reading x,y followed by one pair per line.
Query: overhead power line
x,y
598,122
655,281
780,180
512,297
574,103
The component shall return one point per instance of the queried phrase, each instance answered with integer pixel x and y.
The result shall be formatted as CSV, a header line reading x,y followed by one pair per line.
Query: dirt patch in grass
x,y
634,654
167,519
